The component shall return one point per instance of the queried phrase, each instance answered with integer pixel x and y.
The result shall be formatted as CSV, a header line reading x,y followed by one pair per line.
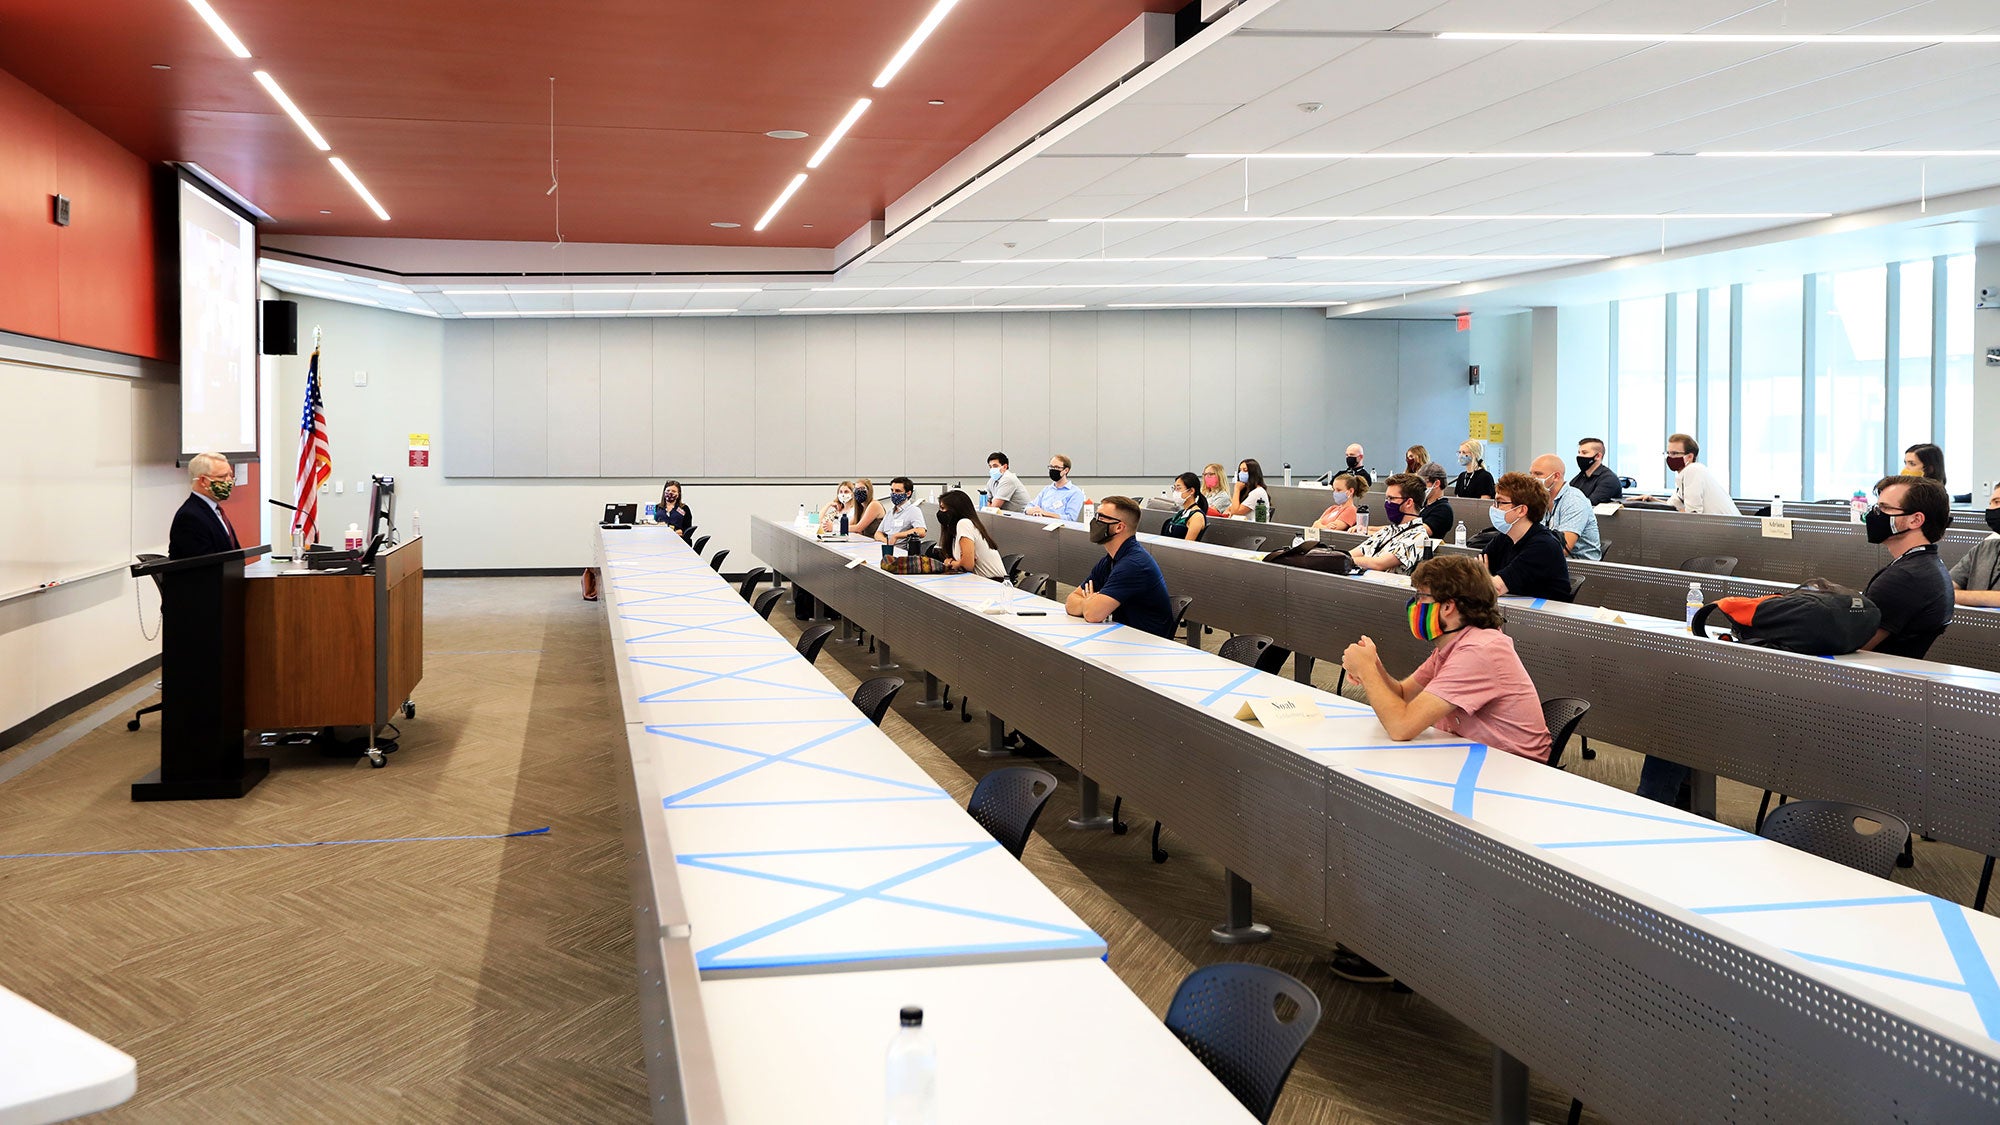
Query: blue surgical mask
x,y
1242,477
994,475
1341,496
897,498
1498,515
1465,459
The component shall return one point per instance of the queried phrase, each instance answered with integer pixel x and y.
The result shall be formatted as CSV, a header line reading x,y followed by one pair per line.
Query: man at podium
x,y
201,527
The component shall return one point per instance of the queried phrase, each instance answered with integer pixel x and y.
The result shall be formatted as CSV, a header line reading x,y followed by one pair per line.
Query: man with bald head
x,y
1570,513
1356,466
200,527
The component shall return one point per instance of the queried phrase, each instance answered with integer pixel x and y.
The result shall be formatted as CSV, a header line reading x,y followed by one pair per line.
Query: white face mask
x,y
847,497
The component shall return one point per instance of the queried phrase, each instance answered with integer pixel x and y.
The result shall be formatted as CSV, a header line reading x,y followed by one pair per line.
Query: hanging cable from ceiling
x,y
555,182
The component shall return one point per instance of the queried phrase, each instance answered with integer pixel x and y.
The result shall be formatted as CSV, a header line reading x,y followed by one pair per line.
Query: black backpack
x,y
1313,556
1817,619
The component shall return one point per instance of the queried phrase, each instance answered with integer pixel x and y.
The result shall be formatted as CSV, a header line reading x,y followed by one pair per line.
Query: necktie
x,y
229,527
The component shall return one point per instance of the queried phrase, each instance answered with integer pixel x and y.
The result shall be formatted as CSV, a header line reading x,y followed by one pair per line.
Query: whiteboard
x,y
67,512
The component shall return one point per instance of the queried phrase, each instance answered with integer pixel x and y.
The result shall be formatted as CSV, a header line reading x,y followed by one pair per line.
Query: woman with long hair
x,y
672,510
1473,478
1415,458
842,503
869,507
1188,520
1924,460
1250,489
968,547
1215,489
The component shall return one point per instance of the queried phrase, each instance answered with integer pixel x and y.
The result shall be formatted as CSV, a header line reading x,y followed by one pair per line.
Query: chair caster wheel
x,y
132,724
1119,828
376,760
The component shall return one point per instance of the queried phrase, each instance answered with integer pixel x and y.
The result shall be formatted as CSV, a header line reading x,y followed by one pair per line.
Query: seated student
x,y
1004,490
1977,575
870,507
967,546
1058,497
672,511
1250,489
1439,518
1126,585
1356,456
1188,520
1399,546
1526,558
1415,458
1341,514
1570,515
1214,489
1472,685
1473,480
903,523
842,504
1925,460
1914,591
1697,490
1595,479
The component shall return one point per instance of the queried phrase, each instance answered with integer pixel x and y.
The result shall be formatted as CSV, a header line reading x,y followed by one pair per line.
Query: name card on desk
x,y
1775,528
1312,533
1052,525
1608,615
852,563
1275,713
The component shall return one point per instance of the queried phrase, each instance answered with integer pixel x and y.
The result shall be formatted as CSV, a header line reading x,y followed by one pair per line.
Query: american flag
x,y
315,457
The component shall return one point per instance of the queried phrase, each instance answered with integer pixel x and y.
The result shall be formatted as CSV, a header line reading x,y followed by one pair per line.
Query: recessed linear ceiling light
x,y
163,66
1224,304
597,312
1078,261
934,309
504,292
291,109
222,32
1449,257
1650,217
1129,285
937,14
344,298
1417,155
778,204
360,188
725,226
839,131
1908,153
787,134
1708,37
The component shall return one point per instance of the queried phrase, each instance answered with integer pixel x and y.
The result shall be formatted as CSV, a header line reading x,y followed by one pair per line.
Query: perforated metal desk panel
x,y
1728,979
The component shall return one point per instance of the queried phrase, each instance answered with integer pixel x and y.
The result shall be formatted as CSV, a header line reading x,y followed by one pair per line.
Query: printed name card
x,y
854,562
1777,528
1052,525
1312,533
1275,713
1608,616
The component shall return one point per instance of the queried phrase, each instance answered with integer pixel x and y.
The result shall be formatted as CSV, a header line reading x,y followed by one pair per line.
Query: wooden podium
x,y
202,669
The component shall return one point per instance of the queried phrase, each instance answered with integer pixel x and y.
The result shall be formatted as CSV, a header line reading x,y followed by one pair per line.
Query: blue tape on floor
x,y
304,844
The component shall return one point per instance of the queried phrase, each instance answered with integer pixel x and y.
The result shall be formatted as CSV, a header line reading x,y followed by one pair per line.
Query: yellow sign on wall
x,y
1476,425
1496,433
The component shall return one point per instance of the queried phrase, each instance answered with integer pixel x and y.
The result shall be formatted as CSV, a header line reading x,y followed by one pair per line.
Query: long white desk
x,y
51,1070
1714,949
812,879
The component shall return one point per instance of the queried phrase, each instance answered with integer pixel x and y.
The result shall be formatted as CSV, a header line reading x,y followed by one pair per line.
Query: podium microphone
x,y
285,506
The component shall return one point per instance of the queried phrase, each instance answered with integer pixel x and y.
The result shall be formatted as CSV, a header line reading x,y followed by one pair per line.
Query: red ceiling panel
x,y
442,106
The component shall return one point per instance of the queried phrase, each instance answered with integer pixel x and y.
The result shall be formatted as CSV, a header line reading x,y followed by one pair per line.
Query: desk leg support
x,y
847,634
931,701
996,739
1089,810
1302,668
1510,1089
1239,929
1701,792
1194,634
883,661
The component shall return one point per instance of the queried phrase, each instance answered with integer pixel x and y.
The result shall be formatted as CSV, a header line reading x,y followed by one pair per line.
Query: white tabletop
x,y
813,1049
52,1071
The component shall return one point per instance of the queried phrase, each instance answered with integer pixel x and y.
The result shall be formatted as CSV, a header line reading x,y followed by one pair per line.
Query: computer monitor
x,y
381,509
620,515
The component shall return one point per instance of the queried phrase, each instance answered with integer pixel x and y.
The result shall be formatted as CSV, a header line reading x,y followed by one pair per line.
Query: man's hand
x,y
1360,657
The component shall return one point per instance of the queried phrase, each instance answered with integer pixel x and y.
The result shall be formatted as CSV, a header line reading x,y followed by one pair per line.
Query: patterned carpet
x,y
492,979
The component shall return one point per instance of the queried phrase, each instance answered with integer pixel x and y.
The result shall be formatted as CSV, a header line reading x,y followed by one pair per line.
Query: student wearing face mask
x,y
673,511
842,504
1697,490
1914,591
870,507
903,523
1341,515
1215,488
1415,458
968,549
1594,478
1059,497
1925,460
1570,515
1189,519
1126,585
1004,490
1249,490
1473,479
1526,558
201,527
1356,466
1977,575
1399,546
1437,513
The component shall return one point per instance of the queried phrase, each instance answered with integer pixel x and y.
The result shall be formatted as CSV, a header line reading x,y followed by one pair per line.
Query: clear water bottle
x,y
802,515
1777,507
1696,599
417,523
1089,511
912,1073
1361,518
1288,474
1458,536
1857,507
1262,513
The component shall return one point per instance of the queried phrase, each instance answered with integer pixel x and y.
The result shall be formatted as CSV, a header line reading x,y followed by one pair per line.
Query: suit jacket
x,y
196,531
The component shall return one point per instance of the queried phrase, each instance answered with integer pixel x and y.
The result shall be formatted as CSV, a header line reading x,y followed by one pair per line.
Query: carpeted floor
x,y
492,979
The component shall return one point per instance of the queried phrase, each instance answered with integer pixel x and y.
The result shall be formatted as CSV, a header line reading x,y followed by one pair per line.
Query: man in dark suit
x,y
200,527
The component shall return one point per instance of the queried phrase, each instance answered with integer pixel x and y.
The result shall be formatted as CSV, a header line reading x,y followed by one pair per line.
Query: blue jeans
x,y
1661,780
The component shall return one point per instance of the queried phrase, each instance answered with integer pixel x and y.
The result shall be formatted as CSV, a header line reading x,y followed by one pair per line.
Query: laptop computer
x,y
619,515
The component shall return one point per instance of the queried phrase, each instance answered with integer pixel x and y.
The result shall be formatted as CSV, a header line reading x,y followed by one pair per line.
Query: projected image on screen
x,y
218,326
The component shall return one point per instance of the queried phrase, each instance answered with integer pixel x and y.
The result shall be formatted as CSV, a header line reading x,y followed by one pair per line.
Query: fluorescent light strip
x,y
1647,217
291,109
341,297
360,189
1449,257
909,48
937,308
1078,261
1708,37
1124,285
208,16
600,312
778,204
1907,153
578,292
839,131
1225,305
1418,155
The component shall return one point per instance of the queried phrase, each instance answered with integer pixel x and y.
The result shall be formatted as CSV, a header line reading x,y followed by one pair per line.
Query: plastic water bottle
x,y
1089,511
1696,599
1777,507
1262,514
802,515
417,523
352,540
912,1073
1857,507
1361,518
1458,536
1288,474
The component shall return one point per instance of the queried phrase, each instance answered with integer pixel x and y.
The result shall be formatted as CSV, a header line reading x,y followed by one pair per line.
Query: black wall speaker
x,y
281,327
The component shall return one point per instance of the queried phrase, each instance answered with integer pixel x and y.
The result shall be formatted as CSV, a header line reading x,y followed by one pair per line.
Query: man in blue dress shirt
x,y
1126,585
1060,498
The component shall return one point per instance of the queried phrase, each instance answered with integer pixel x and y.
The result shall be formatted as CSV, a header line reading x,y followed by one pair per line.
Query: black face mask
x,y
1100,532
1879,524
1583,463
1354,462
1993,520
1055,475
860,496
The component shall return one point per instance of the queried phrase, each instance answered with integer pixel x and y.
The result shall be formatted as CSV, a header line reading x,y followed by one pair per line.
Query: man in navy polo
x,y
1125,586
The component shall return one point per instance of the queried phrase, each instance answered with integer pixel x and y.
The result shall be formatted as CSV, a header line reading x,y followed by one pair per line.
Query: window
x,y
1641,372
1850,325
1773,388
1958,298
1913,358
1685,358
1714,430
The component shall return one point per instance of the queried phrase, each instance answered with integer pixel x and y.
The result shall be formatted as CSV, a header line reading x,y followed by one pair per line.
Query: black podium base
x,y
151,788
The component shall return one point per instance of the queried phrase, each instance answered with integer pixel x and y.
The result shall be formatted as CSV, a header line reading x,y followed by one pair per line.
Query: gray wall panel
x,y
881,424
680,398
467,450
1305,398
729,407
1072,397
925,408
830,402
520,399
977,375
780,395
625,411
1165,408
1121,390
576,356
1023,402
1212,395
1258,391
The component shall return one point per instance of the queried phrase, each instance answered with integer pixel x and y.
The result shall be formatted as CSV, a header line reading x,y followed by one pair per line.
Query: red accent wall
x,y
94,282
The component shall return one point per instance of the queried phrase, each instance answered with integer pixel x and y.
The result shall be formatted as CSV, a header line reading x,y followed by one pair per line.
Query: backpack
x,y
1313,556
1817,619
912,564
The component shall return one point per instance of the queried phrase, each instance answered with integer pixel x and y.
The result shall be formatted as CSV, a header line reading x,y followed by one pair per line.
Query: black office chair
x,y
1180,606
1721,566
1007,803
1228,1016
1575,584
1040,585
873,696
748,588
715,563
766,602
812,640
1013,563
1256,650
1254,543
157,684
1561,715
1627,482
1833,830
700,544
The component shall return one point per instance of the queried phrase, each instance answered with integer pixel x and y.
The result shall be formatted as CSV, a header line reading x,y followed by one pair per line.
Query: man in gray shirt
x,y
1004,491
1977,575
904,520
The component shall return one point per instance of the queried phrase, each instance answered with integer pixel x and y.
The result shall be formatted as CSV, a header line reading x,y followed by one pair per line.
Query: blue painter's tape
x,y
940,795
302,844
1877,970
1815,904
705,960
1232,685
1648,843
1972,963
